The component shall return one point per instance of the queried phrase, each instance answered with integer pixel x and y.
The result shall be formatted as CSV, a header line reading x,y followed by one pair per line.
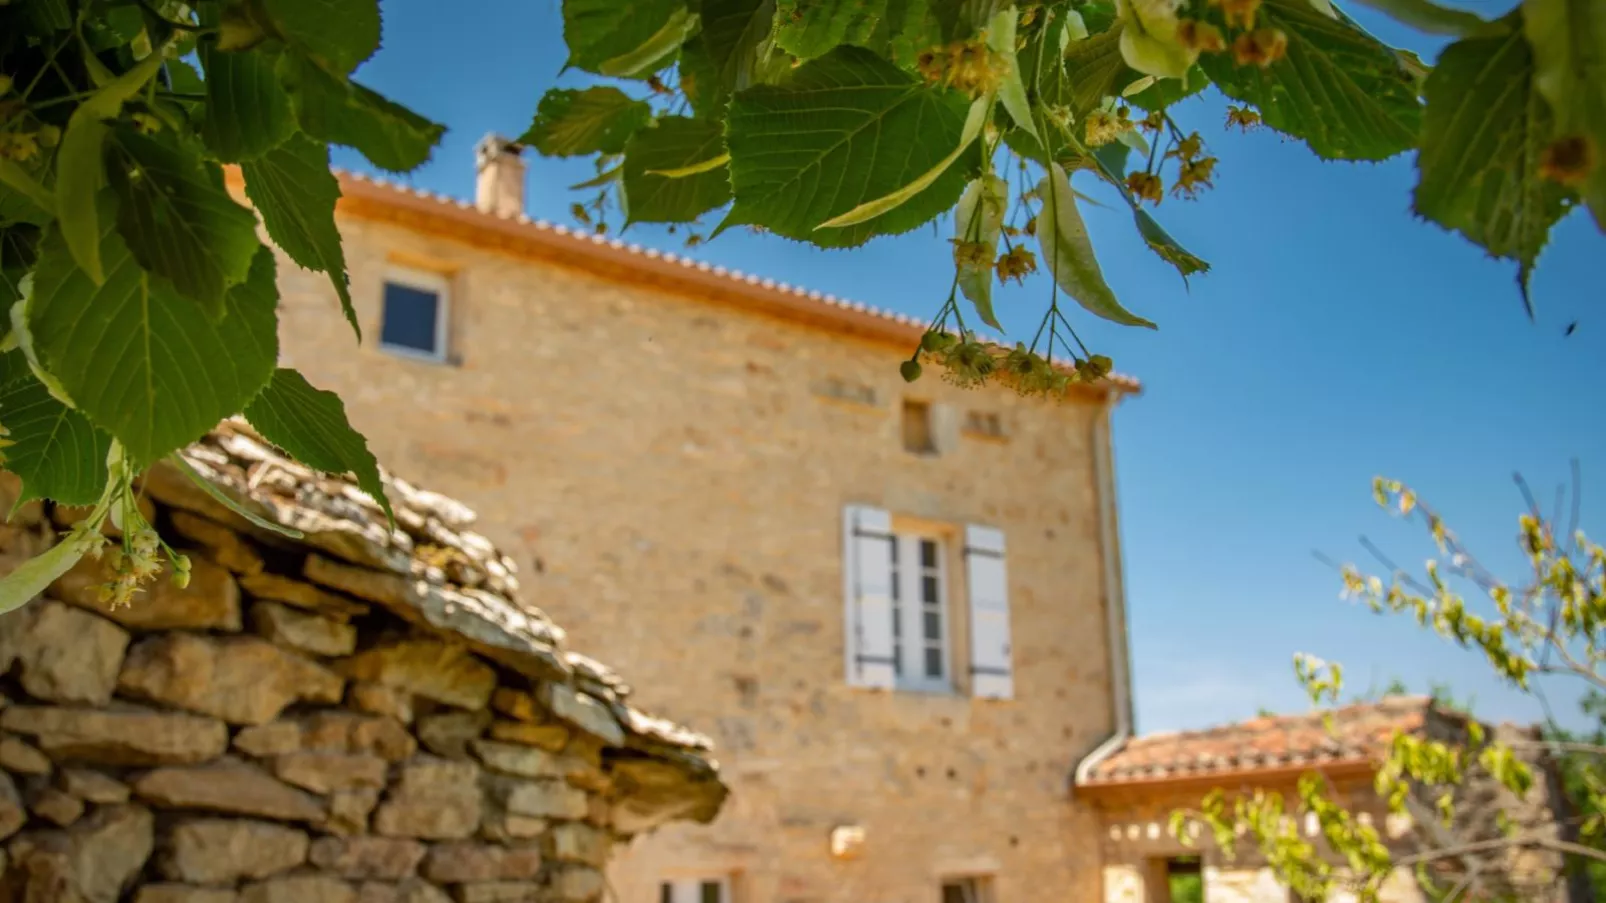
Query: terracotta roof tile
x,y
1361,733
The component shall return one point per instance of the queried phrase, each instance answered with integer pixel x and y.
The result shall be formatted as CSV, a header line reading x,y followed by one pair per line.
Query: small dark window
x,y
984,423
412,319
1185,879
711,892
965,890
666,893
917,427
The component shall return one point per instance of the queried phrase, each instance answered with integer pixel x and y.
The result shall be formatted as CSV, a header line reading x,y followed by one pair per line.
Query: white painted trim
x,y
908,541
1114,598
423,280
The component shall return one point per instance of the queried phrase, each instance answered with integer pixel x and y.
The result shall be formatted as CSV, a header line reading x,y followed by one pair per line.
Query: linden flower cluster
x,y
1193,169
1104,126
969,66
21,136
136,561
1253,46
968,363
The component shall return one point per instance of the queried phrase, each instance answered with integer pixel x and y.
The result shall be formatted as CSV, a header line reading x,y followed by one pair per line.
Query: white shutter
x,y
867,590
987,585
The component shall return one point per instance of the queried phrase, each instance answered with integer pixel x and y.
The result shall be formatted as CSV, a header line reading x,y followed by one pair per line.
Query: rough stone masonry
x,y
363,715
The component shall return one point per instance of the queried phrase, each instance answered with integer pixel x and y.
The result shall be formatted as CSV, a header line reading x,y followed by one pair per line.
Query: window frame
x,y
909,609
695,882
981,887
440,284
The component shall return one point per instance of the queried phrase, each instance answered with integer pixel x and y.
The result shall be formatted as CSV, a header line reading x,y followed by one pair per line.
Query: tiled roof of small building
x,y
432,570
1361,734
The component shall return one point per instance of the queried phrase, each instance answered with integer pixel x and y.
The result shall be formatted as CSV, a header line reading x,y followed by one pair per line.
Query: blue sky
x,y
1336,338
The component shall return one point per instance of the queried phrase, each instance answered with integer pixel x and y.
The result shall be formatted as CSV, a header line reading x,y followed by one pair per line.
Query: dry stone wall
x,y
364,715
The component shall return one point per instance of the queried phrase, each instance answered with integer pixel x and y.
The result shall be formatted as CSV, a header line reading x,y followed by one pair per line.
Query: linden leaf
x,y
1484,132
979,218
132,355
28,201
1347,95
599,33
1068,252
845,129
571,123
1012,91
177,218
340,34
247,111
733,50
898,29
654,192
338,111
311,425
56,451
294,191
1428,16
1161,243
974,120
1568,38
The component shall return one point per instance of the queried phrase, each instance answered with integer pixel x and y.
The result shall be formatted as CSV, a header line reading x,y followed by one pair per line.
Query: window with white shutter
x,y
991,665
920,613
871,657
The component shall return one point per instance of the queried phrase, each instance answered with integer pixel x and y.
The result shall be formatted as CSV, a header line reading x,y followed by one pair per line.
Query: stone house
x,y
359,715
896,608
1137,785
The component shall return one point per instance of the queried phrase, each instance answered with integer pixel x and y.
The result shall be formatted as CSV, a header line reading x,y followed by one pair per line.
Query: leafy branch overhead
x,y
143,305
836,121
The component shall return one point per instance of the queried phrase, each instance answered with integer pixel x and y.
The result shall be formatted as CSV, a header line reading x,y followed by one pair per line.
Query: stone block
x,y
65,654
367,857
583,712
277,588
551,737
500,892
243,680
349,811
184,893
20,757
541,799
211,601
434,799
448,733
271,739
303,631
56,806
299,889
576,884
108,849
517,759
523,826
229,787
350,732
92,786
323,772
518,705
411,890
122,736
378,699
579,842
463,862
226,850
12,814
435,670
222,545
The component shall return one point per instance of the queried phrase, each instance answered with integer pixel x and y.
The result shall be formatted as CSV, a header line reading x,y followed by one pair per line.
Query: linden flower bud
x,y
1017,264
1146,187
1262,47
1194,176
48,135
147,124
1568,161
1152,122
1103,127
1242,117
1200,36
910,371
1188,148
1239,13
971,254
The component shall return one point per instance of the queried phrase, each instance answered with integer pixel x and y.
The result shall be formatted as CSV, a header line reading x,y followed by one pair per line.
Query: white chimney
x,y
499,181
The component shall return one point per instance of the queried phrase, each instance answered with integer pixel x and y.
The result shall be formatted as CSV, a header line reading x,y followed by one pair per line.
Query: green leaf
x,y
1068,252
27,201
844,130
13,369
675,142
1093,69
1482,137
656,53
132,355
311,425
1161,243
980,218
56,451
1011,90
247,111
339,34
974,120
733,51
898,29
571,123
1168,91
1568,38
294,191
600,32
35,575
1428,16
178,219
338,111
1348,96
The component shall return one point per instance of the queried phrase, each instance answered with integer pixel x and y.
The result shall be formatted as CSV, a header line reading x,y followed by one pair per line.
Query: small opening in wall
x,y
967,890
1184,880
984,423
917,436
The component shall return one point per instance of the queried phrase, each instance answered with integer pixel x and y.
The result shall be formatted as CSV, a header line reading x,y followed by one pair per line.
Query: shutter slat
x,y
991,663
868,593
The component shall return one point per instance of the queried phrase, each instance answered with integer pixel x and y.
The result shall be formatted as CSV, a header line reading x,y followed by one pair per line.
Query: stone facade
x,y
667,451
345,718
